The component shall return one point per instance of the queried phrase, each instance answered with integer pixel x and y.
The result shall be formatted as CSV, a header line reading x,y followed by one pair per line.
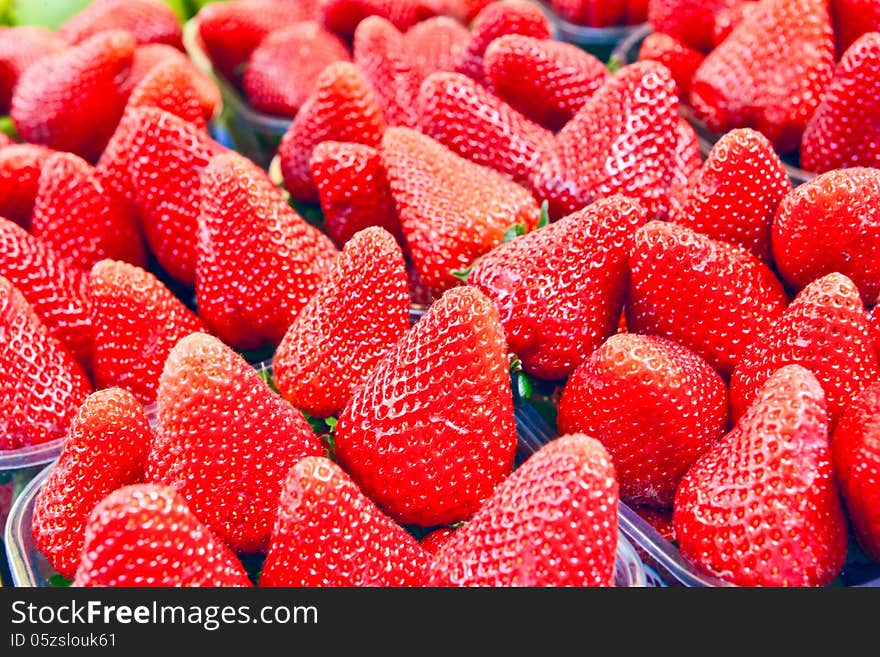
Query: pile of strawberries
x,y
706,328
601,13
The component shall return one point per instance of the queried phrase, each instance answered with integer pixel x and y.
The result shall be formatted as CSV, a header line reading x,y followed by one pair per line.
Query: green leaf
x,y
514,231
266,375
331,423
59,581
8,126
613,65
523,385
462,274
545,214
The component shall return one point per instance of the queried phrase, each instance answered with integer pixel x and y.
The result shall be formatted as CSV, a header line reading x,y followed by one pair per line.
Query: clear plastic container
x,y
598,41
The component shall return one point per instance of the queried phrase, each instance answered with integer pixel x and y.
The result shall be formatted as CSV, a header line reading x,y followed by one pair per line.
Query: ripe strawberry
x,y
635,12
20,167
547,80
688,21
770,73
343,16
553,522
852,19
736,192
592,13
148,21
105,448
466,10
434,541
76,215
170,86
686,162
341,108
225,441
436,44
19,48
51,284
855,452
136,321
353,190
825,329
145,535
714,298
328,533
460,114
430,432
831,224
259,262
282,71
727,18
681,60
761,507
560,289
656,407
72,100
42,385
874,327
451,210
845,130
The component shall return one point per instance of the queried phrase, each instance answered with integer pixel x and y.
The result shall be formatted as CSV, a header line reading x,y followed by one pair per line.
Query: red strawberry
x,y
686,162
852,19
436,44
553,522
736,192
170,86
136,321
620,142
282,71
874,327
547,80
381,55
20,167
831,224
341,108
855,452
259,262
656,407
825,329
105,448
710,296
845,130
360,311
681,60
451,210
636,12
496,20
328,533
148,21
430,432
688,21
761,507
560,289
42,385
466,10
19,48
770,73
76,215
145,535
225,441
344,16
728,18
55,288
434,541
460,114
72,100
353,190
592,13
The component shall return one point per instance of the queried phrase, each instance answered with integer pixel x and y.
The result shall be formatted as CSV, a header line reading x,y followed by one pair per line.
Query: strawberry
x,y
225,441
50,283
460,114
259,262
359,311
681,60
136,321
560,289
852,19
727,18
547,80
710,296
381,55
451,210
148,21
592,13
19,48
430,432
761,507
874,327
770,73
170,86
553,522
635,12
855,452
496,20
831,224
656,407
686,162
328,533
825,329
353,190
20,167
72,100
436,44
282,71
76,215
736,192
5,140
343,16
688,21
105,448
145,535
620,142
341,108
845,130
434,541
466,10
